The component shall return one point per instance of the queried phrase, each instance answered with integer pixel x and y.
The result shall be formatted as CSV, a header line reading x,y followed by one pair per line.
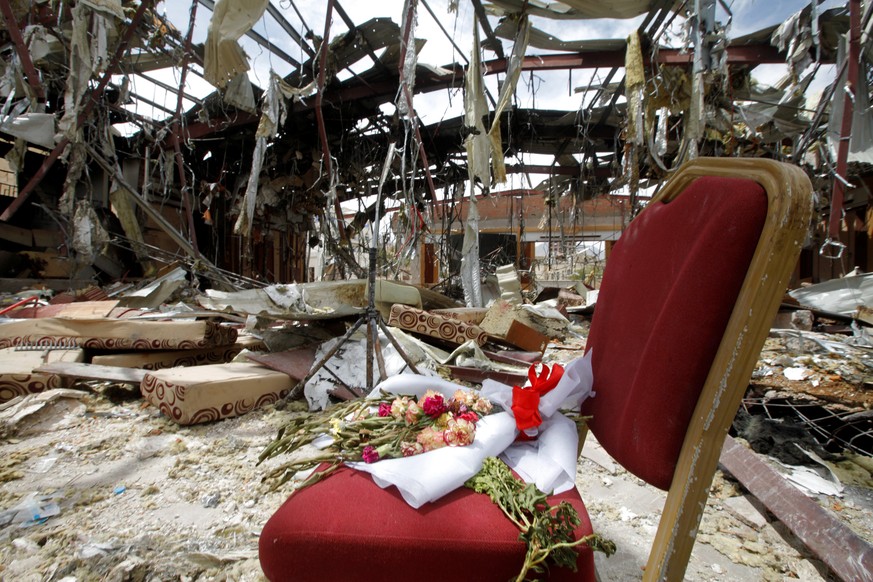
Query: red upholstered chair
x,y
688,297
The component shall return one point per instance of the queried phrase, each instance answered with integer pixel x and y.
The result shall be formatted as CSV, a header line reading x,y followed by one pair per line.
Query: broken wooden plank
x,y
525,337
14,285
73,310
515,358
848,555
94,372
16,234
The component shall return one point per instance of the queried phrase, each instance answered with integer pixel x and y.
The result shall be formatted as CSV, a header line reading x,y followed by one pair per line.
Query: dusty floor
x,y
140,498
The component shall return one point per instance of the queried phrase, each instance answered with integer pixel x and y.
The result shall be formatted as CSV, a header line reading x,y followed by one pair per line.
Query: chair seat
x,y
347,528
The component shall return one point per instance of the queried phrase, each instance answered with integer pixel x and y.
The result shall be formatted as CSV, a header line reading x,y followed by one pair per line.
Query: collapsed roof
x,y
114,90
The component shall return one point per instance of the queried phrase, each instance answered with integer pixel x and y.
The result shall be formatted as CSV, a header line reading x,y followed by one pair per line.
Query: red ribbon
x,y
526,401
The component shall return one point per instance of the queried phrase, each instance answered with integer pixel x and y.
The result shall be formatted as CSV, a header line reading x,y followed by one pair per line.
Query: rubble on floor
x,y
152,475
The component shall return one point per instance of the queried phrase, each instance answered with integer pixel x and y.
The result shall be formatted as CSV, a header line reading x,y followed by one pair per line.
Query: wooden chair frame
x,y
789,211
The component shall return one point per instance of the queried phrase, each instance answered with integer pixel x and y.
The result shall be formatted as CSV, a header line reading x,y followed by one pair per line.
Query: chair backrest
x,y
686,302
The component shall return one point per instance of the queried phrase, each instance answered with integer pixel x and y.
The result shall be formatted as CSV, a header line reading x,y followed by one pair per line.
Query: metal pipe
x,y
404,48
290,30
319,116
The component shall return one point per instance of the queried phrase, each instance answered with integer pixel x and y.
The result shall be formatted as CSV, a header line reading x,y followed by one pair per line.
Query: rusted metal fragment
x,y
846,554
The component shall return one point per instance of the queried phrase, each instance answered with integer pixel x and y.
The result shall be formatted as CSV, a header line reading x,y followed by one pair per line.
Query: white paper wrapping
x,y
549,461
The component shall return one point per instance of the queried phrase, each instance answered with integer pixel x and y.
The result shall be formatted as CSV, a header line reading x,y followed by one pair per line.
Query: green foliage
x,y
546,530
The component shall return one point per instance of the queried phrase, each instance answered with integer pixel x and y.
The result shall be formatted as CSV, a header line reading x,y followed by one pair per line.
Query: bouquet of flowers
x,y
385,427
392,425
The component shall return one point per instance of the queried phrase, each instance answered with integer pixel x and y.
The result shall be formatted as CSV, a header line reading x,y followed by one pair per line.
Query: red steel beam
x,y
557,170
409,19
319,117
21,49
83,115
736,55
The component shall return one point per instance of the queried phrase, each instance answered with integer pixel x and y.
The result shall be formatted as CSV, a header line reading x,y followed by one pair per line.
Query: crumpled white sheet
x,y
549,461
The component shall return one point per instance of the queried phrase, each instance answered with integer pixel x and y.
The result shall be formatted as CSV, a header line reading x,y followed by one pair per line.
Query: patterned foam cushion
x,y
17,377
435,326
206,393
115,334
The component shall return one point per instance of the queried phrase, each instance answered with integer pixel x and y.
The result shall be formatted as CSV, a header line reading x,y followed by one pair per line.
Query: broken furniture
x,y
685,305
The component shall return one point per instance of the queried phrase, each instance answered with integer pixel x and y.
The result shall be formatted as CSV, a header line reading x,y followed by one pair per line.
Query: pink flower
x,y
434,404
464,397
430,439
370,454
473,400
408,449
443,421
384,409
